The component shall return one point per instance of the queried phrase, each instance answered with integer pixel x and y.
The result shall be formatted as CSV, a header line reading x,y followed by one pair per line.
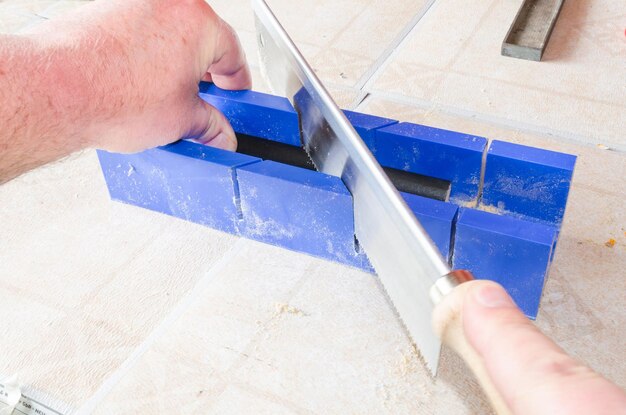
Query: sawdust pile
x,y
407,376
410,363
491,209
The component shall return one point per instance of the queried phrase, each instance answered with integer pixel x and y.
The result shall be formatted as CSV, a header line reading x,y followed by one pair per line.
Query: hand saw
x,y
409,266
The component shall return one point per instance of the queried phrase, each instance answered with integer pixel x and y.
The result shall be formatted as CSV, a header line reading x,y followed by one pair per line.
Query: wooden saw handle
x,y
448,325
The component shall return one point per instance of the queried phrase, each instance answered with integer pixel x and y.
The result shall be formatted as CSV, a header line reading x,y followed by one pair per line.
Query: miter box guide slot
x,y
433,152
186,180
298,209
527,182
271,194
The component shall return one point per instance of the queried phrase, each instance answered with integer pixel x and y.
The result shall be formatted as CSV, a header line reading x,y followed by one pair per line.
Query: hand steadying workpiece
x,y
122,75
117,75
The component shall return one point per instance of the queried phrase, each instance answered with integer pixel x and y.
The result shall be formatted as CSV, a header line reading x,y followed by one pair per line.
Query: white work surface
x,y
113,309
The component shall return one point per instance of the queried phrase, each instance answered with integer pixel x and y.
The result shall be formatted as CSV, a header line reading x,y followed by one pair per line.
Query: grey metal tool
x,y
531,30
410,268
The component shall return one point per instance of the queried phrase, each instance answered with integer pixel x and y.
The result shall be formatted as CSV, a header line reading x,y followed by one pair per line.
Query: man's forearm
x,y
43,100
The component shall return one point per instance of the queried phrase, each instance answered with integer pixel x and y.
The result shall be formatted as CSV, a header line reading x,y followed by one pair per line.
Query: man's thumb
x,y
532,373
207,125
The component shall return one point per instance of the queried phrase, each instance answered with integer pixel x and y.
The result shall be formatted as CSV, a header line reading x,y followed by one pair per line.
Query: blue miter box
x,y
507,232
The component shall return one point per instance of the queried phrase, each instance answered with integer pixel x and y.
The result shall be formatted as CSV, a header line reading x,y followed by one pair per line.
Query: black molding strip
x,y
407,182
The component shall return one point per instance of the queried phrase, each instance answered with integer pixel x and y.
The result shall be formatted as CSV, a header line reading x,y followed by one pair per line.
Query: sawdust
x,y
409,374
492,209
466,203
498,210
269,327
408,363
283,308
257,226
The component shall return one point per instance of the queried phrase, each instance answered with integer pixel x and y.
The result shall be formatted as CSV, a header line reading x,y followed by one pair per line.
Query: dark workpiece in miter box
x,y
269,191
404,181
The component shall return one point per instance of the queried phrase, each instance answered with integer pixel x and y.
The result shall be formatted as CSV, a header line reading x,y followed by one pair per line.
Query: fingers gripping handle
x,y
448,295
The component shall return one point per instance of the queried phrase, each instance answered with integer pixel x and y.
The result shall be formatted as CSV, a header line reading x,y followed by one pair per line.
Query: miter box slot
x,y
437,219
366,125
405,181
185,180
283,205
266,128
365,263
312,212
511,251
527,181
433,152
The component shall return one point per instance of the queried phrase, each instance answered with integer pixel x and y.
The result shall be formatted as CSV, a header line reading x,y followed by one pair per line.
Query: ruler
x,y
530,32
25,405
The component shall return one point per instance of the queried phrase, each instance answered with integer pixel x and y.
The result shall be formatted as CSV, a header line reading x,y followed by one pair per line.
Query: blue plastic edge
x,y
437,219
299,209
434,152
513,252
184,180
254,113
527,181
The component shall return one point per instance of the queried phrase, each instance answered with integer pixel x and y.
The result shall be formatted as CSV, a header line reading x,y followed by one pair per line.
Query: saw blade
x,y
403,256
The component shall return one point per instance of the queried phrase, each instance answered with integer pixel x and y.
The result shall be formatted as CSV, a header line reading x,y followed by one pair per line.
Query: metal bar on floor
x,y
530,32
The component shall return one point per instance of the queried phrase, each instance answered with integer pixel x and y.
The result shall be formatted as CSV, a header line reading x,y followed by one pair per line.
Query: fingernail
x,y
493,297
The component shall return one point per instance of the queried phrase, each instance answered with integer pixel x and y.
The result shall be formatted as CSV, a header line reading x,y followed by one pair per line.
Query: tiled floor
x,y
452,62
112,309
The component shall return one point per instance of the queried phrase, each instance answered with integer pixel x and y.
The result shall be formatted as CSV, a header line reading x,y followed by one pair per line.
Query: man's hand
x,y
120,75
532,374
149,57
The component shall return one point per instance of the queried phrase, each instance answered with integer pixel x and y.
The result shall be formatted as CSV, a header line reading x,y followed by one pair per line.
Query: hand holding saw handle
x,y
520,369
